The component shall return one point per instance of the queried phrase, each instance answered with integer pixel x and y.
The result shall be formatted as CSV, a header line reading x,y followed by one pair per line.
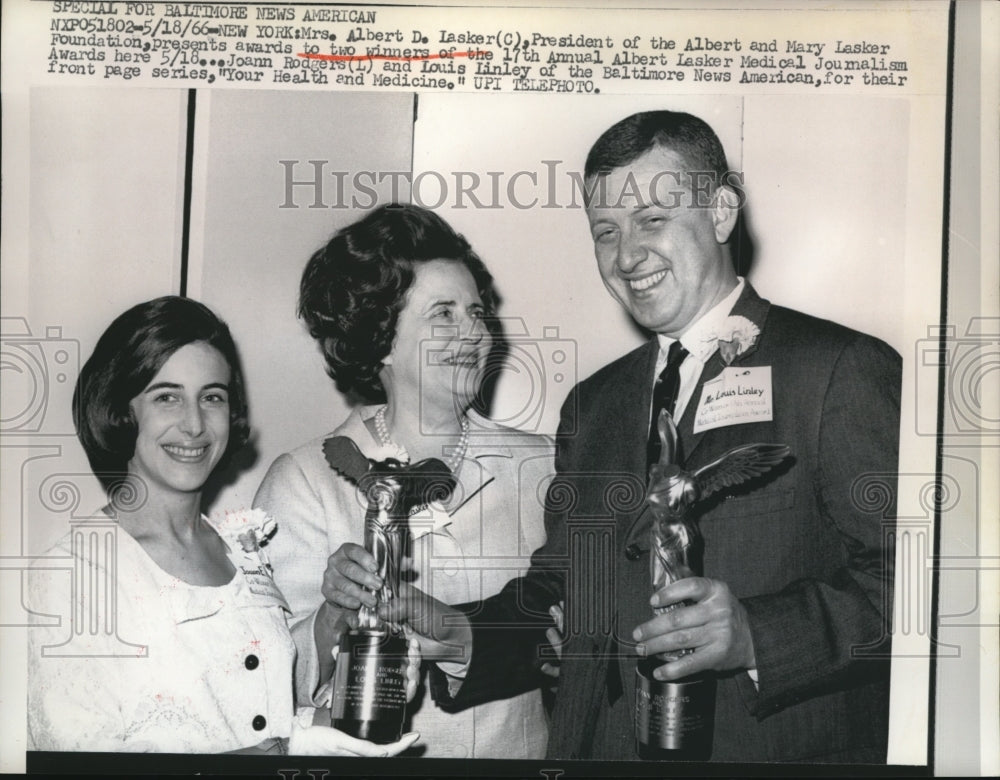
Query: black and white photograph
x,y
517,390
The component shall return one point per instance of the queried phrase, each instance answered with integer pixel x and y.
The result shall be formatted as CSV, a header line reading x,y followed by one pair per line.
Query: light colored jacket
x,y
468,555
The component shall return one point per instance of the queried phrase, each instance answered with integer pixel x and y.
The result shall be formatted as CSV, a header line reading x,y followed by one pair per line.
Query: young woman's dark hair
x,y
354,287
127,357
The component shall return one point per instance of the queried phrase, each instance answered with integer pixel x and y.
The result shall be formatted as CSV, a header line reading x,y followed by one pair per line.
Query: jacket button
x,y
632,552
251,662
259,723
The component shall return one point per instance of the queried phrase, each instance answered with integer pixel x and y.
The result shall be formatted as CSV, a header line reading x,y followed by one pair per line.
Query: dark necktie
x,y
665,390
668,383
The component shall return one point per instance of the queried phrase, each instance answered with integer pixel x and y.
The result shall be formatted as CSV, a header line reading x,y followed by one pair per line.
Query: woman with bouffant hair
x,y
354,288
400,307
191,653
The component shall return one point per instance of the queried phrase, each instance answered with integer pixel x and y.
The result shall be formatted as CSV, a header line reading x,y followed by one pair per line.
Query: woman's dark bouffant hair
x,y
353,288
127,357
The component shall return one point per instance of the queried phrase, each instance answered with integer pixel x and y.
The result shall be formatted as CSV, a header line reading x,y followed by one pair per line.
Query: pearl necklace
x,y
454,462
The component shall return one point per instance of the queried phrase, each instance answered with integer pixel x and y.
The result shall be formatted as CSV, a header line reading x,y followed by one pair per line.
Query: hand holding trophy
x,y
369,690
674,719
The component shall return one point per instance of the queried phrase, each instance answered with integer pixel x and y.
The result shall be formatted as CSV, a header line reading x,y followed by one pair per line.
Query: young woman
x,y
159,404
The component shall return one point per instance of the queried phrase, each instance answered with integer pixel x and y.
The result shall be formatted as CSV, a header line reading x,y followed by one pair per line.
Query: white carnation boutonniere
x,y
735,336
251,529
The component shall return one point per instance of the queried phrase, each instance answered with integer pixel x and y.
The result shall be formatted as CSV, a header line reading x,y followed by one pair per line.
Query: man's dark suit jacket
x,y
808,551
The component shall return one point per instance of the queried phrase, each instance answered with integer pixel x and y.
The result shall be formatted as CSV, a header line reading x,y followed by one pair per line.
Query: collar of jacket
x,y
755,309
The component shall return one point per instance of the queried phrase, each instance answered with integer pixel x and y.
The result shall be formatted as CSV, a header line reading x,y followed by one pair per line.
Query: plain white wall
x,y
248,252
826,181
107,183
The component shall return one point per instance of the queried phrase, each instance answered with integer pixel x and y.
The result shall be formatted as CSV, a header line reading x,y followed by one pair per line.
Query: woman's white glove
x,y
309,740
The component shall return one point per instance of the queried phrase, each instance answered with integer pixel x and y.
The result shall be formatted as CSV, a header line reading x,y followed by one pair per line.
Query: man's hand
x,y
444,633
715,627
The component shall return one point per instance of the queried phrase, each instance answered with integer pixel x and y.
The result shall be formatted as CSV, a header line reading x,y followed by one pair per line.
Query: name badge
x,y
261,583
738,395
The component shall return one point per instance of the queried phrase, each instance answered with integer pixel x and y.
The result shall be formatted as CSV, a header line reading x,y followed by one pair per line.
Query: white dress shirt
x,y
700,340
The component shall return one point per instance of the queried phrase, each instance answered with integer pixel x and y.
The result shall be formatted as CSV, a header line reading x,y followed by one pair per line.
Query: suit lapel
x,y
614,685
755,309
632,419
636,424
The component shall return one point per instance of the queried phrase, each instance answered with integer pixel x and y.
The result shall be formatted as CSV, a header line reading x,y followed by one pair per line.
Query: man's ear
x,y
725,212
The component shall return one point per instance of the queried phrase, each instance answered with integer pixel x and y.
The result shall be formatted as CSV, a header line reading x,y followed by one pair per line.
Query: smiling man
x,y
662,254
791,615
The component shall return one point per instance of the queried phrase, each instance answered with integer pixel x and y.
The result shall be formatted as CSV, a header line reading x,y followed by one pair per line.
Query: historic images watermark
x,y
38,372
970,362
316,184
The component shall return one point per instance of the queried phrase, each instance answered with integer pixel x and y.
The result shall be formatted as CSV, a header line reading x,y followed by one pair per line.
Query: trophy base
x,y
674,721
369,692
379,732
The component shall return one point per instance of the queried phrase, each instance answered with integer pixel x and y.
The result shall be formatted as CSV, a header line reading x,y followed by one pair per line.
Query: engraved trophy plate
x,y
369,689
369,693
676,716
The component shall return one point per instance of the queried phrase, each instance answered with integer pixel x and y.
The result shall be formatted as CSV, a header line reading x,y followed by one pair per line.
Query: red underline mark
x,y
363,57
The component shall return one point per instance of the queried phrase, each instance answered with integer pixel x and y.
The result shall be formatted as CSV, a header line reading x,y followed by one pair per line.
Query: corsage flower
x,y
251,528
735,336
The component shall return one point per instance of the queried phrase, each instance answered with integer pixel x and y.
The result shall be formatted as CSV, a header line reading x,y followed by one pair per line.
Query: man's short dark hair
x,y
682,133
127,357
